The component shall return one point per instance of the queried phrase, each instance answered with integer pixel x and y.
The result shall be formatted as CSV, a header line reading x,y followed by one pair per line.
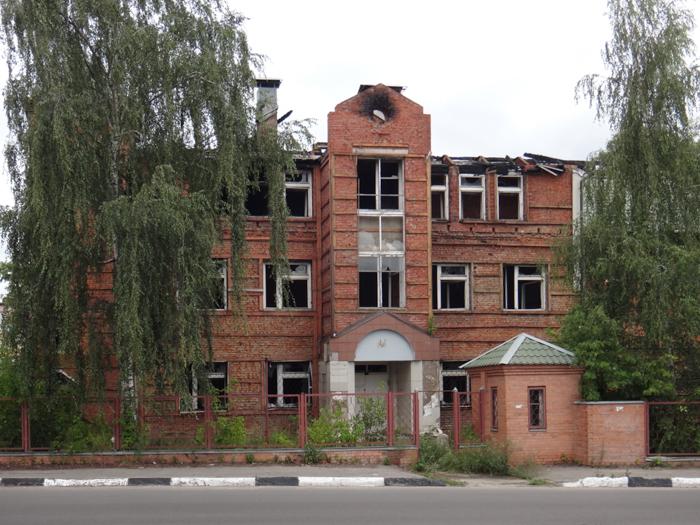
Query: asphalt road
x,y
312,506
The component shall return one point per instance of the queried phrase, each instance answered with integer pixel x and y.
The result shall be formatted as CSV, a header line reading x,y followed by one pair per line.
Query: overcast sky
x,y
497,76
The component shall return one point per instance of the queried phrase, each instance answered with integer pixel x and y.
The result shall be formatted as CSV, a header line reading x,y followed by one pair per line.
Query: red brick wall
x,y
486,246
349,129
615,433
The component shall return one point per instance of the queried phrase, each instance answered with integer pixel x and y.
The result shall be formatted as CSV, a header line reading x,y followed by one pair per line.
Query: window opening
x,y
523,287
292,290
510,197
212,381
453,378
494,408
297,189
471,195
256,200
287,380
536,408
450,287
439,196
219,286
378,184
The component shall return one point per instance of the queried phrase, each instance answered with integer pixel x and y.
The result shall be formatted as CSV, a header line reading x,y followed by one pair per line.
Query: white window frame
x,y
518,191
279,298
454,373
281,376
452,278
517,278
441,188
402,279
305,184
469,189
223,272
194,392
378,186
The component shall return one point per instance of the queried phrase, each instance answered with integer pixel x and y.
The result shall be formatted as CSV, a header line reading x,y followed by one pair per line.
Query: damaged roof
x,y
528,162
523,349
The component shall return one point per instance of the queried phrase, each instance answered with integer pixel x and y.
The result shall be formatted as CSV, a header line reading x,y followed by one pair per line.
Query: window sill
x,y
538,429
382,308
473,221
526,312
287,310
452,310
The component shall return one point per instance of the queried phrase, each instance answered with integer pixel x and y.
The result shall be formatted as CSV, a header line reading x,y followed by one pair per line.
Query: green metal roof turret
x,y
523,349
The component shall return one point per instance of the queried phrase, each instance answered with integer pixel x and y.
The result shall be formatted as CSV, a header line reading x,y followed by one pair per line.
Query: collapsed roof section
x,y
527,163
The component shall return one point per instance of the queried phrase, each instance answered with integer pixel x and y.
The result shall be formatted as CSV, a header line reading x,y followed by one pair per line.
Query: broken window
x,y
256,200
439,197
378,184
454,378
380,233
219,286
450,286
292,290
297,188
381,281
494,408
285,381
471,196
523,287
536,408
510,197
213,381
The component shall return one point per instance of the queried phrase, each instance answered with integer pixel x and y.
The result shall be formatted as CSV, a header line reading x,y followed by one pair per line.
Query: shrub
x,y
333,428
230,431
491,459
85,436
282,439
312,455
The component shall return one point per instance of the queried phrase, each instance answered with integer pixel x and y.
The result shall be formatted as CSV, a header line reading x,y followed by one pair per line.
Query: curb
x,y
633,482
271,481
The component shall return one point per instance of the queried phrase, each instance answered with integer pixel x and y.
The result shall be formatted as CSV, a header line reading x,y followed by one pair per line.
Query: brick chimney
x,y
267,101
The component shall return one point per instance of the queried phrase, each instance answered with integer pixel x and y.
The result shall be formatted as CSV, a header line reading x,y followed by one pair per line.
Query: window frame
x,y
380,291
281,375
511,190
541,277
453,278
468,189
378,186
450,372
308,186
223,273
279,297
542,408
445,190
195,396
494,409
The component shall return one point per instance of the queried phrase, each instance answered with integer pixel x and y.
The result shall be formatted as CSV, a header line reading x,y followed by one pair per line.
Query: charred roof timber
x,y
528,163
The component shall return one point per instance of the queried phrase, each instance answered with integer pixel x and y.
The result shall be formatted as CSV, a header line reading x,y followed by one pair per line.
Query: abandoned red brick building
x,y
404,265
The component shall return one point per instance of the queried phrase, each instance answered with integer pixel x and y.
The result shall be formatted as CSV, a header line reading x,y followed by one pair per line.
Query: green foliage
x,y
674,429
490,459
635,255
133,130
249,458
333,427
336,427
134,436
84,435
312,455
282,439
371,418
230,431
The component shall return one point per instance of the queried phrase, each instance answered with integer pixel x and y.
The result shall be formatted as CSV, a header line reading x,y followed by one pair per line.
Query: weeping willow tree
x,y
636,254
134,145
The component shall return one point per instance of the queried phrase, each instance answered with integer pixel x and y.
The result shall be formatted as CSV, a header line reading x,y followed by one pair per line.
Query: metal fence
x,y
238,421
673,428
